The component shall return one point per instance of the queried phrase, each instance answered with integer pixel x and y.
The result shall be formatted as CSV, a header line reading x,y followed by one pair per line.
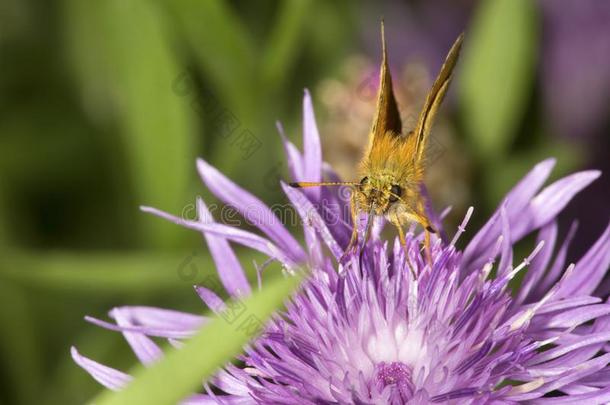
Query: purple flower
x,y
391,328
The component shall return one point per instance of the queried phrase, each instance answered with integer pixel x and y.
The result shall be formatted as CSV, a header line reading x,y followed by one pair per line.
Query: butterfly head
x,y
377,194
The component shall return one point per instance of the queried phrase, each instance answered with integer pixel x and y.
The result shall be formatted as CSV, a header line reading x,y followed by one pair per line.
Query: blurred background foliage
x,y
104,106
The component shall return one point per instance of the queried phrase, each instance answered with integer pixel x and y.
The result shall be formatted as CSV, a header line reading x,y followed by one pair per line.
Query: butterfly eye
x,y
396,191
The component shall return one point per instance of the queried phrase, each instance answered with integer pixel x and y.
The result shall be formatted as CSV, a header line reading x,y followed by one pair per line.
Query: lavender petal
x,y
551,200
144,348
228,232
312,149
108,377
590,269
232,275
515,201
251,208
293,156
548,234
311,216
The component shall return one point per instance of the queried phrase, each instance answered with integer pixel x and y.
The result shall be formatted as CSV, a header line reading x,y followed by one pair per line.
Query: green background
x,y
104,106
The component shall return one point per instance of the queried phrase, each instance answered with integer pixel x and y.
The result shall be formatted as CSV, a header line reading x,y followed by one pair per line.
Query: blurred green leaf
x,y
497,72
201,356
284,42
103,274
223,49
225,56
126,42
19,344
4,239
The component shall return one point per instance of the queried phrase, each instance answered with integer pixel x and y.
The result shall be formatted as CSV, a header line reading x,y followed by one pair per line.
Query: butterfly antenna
x,y
305,184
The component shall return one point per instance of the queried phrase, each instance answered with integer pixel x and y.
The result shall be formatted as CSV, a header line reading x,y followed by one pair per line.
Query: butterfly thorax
x,y
388,176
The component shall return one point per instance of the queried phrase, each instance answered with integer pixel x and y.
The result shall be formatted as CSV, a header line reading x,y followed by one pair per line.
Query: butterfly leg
x,y
421,219
428,247
401,234
354,238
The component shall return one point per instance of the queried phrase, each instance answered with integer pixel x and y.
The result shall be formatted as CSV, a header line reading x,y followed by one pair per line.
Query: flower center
x,y
395,374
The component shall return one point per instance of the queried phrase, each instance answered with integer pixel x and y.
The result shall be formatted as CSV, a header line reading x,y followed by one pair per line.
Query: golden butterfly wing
x,y
434,99
387,117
